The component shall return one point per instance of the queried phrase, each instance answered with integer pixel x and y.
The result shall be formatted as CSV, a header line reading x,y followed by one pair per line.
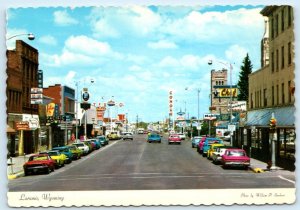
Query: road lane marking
x,y
281,177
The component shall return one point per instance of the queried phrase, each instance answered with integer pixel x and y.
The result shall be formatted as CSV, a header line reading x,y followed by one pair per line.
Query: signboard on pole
x,y
231,127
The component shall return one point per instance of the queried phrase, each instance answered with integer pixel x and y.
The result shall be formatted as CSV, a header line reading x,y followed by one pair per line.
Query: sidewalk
x,y
15,166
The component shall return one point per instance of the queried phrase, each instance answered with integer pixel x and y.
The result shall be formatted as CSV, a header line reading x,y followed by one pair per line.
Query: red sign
x,y
22,125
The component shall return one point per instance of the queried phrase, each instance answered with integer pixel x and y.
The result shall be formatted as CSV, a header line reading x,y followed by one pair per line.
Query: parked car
x,y
96,142
209,141
195,141
127,135
113,136
235,158
174,138
153,137
91,144
83,147
39,163
181,135
218,153
65,150
200,145
211,149
103,140
76,152
57,156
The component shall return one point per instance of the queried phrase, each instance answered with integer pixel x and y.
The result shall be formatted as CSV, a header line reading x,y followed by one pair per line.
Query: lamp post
x,y
30,36
198,124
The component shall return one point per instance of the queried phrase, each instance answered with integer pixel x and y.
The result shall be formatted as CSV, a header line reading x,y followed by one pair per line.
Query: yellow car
x,y
58,157
76,152
113,136
212,149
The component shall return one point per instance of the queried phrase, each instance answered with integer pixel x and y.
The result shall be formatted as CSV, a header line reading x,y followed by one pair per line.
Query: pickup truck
x,y
127,135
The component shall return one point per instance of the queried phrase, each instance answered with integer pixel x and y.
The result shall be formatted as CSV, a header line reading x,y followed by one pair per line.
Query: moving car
x,y
195,141
83,147
153,137
127,135
58,157
66,151
39,163
235,158
174,138
181,135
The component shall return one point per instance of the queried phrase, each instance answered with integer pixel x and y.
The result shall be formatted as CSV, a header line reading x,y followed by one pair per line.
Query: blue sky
x,y
139,53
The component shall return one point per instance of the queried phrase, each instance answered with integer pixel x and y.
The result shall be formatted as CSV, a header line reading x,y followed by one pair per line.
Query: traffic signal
x,y
273,123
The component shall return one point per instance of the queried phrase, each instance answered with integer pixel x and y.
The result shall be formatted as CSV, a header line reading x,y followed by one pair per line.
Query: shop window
x,y
287,143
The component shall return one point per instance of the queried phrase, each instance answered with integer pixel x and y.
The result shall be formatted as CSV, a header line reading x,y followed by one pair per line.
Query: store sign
x,y
33,121
226,92
170,103
23,125
209,117
36,96
238,106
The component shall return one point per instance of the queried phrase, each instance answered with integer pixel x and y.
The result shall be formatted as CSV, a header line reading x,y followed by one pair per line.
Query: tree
x,y
243,83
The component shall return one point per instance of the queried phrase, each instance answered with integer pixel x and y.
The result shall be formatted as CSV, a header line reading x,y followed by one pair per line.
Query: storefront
x,y
255,136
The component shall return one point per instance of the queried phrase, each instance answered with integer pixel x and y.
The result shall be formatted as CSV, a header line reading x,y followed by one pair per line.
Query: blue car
x,y
195,141
153,137
65,150
209,141
97,143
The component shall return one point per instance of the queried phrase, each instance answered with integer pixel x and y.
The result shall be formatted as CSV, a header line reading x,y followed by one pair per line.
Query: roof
x,y
285,117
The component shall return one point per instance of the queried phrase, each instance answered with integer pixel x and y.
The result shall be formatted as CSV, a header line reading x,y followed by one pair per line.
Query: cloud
x,y
236,53
63,18
81,51
48,39
162,44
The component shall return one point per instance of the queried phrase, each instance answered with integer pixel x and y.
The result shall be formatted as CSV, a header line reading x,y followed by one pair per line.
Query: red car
x,y
174,138
39,163
235,158
200,145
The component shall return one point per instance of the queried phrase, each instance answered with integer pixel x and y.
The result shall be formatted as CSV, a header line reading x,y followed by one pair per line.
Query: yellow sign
x,y
225,92
50,109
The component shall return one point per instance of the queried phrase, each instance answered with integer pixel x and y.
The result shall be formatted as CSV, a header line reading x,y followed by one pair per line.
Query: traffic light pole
x,y
273,140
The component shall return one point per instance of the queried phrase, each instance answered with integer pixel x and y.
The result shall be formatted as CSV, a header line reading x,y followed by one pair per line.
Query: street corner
x,y
15,176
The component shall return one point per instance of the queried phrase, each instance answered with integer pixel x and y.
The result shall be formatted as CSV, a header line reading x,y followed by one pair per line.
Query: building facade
x,y
271,90
60,121
22,116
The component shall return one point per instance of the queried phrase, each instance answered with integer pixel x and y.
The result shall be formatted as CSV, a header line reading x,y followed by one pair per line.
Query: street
x,y
138,165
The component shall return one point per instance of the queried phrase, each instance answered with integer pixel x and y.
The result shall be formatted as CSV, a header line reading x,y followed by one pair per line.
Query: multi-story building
x,y
22,116
63,98
271,89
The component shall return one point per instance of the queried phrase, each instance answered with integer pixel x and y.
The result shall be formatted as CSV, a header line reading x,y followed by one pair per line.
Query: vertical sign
x,y
170,103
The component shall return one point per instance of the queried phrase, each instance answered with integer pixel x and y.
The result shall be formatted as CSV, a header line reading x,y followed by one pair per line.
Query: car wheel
x,y
26,173
48,170
159,142
203,155
52,169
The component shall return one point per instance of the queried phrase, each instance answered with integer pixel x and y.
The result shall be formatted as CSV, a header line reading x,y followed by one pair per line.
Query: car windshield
x,y
72,147
38,158
212,141
154,135
236,153
53,153
79,145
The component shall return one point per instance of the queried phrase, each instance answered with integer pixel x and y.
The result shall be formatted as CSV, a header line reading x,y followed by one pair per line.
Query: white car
x,y
127,135
181,135
217,154
83,147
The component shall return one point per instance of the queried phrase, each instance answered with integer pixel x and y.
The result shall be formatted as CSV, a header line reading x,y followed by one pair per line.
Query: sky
x,y
137,54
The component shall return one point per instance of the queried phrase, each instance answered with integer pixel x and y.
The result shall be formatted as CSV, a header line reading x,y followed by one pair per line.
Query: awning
x,y
285,117
10,129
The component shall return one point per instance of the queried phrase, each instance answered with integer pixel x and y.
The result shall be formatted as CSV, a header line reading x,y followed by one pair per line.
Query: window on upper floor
x,y
289,53
282,57
282,20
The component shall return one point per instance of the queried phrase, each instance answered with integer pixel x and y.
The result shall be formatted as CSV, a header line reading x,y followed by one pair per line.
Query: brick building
x,y
22,68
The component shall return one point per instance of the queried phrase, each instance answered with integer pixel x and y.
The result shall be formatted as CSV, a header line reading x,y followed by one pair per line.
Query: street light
x,y
30,36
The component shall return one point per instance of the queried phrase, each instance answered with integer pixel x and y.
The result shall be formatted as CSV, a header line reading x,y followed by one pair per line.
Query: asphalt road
x,y
138,165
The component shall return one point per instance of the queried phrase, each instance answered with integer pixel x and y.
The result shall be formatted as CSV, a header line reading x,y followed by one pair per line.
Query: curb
x,y
16,175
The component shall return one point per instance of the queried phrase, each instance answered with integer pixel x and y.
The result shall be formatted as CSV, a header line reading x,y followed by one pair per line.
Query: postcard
x,y
150,105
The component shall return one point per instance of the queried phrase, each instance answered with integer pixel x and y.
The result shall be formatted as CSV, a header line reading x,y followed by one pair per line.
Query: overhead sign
x,y
209,117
